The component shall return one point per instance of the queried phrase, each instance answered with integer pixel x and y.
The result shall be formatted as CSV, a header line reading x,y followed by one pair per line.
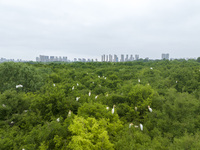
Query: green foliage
x,y
37,116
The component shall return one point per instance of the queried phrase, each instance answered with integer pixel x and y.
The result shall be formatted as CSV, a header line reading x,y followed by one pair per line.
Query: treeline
x,y
83,106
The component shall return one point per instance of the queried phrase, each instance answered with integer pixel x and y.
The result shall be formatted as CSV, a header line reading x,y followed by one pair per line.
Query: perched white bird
x,y
139,80
96,97
176,81
69,113
54,84
107,108
23,149
98,76
58,119
141,127
3,105
73,88
151,68
136,126
18,86
130,125
150,109
113,109
25,110
105,78
77,84
77,98
107,95
89,93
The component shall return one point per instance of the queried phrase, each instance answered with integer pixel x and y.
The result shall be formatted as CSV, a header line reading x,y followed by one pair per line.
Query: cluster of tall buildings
x,y
43,58
111,58
84,60
165,56
11,60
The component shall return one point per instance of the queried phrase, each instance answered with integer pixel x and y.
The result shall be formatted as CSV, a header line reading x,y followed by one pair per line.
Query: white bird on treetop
x,y
69,114
135,108
77,98
150,109
54,84
89,93
3,105
113,109
96,97
139,80
18,86
77,84
141,127
130,125
58,119
107,108
73,88
151,68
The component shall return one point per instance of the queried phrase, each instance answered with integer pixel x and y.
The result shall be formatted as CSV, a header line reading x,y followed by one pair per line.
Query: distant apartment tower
x,y
131,58
126,59
165,56
136,57
122,58
44,58
110,58
115,58
106,58
103,57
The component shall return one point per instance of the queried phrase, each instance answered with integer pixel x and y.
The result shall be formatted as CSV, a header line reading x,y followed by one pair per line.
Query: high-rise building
x,y
103,57
136,57
131,58
115,58
110,58
165,56
122,58
126,59
106,58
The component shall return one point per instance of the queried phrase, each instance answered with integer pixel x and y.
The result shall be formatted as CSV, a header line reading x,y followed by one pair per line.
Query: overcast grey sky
x,y
90,28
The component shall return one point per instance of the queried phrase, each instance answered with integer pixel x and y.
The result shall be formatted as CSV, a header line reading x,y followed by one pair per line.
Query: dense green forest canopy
x,y
100,105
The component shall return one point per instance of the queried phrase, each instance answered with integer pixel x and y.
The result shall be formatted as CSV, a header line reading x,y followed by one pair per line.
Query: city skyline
x,y
88,29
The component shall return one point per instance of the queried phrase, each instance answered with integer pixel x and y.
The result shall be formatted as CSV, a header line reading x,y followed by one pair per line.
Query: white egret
x,y
141,127
107,108
96,97
77,84
139,80
151,68
25,110
98,76
3,105
73,88
89,93
107,95
105,78
69,113
176,81
150,109
54,84
23,149
77,98
130,125
19,86
58,119
113,109
135,108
